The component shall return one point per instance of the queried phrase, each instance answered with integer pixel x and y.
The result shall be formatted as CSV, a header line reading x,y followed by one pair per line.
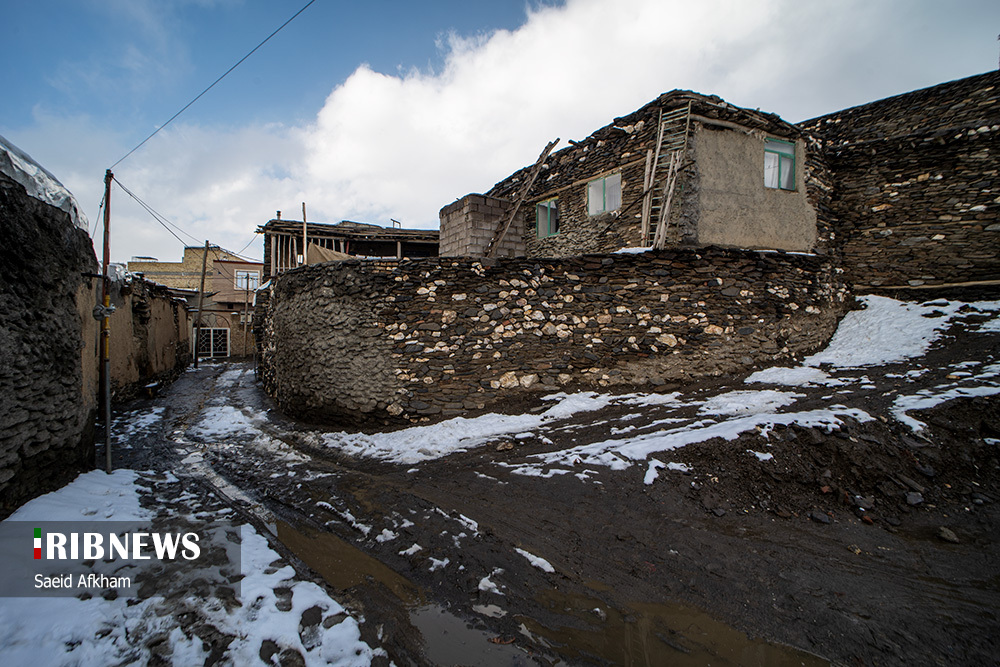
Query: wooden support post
x,y
305,236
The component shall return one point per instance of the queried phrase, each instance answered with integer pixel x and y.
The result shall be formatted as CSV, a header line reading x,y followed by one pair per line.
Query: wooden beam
x,y
501,231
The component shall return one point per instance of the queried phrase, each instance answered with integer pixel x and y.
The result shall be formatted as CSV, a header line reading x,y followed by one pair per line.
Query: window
x,y
604,194
547,219
247,279
779,164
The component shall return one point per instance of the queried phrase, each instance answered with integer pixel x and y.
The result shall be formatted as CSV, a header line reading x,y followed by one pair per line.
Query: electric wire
x,y
149,209
172,118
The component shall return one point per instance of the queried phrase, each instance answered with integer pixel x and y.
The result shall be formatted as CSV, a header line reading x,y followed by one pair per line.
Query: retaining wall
x,y
394,342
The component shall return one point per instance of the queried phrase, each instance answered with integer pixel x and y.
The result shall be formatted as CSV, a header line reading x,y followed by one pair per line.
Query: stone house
x,y
742,178
231,283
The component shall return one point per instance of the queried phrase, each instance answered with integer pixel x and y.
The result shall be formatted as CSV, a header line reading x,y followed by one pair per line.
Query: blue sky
x,y
383,109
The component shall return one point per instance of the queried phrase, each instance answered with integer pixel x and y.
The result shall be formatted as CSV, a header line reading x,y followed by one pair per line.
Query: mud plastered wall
x,y
150,339
48,377
358,343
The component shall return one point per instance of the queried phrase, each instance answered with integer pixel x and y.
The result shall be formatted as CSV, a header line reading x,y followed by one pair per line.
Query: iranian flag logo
x,y
38,543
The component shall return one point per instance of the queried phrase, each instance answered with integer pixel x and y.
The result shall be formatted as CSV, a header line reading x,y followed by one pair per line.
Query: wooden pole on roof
x,y
501,231
305,240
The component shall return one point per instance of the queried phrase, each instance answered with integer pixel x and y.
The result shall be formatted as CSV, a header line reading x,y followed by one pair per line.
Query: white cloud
x,y
403,145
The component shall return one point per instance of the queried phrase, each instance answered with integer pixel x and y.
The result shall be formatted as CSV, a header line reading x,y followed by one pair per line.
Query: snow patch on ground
x,y
424,443
537,561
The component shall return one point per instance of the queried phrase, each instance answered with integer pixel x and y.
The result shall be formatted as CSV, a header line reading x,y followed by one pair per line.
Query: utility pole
x,y
201,298
105,314
246,312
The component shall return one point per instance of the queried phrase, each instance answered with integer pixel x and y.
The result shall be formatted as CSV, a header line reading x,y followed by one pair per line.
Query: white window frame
x,y
779,164
598,200
245,275
543,228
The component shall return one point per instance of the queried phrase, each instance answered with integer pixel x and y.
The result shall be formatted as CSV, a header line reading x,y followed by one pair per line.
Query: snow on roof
x,y
39,182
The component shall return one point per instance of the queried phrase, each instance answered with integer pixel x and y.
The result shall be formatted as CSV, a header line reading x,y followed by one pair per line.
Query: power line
x,y
155,132
156,216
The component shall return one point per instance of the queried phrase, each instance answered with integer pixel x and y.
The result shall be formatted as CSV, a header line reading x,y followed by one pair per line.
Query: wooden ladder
x,y
662,166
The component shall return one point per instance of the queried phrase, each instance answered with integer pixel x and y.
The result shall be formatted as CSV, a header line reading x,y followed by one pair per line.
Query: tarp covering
x,y
319,254
39,182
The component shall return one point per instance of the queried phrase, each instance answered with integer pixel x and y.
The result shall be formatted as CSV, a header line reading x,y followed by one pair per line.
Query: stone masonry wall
x,y
47,372
917,184
394,342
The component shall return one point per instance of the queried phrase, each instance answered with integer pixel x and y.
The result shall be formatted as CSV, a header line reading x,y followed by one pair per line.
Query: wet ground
x,y
861,541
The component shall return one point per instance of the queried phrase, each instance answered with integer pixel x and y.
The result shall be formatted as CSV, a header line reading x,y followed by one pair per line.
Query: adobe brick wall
x,y
371,343
917,187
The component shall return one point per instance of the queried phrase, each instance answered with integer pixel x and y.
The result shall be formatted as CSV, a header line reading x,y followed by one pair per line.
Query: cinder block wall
x,y
395,342
468,225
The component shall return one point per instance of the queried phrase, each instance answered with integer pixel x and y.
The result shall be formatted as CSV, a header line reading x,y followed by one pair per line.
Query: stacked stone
x,y
46,404
918,187
376,343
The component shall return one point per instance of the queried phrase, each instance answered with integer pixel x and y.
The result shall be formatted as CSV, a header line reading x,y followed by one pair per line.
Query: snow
x,y
889,331
631,251
423,443
803,376
736,403
71,631
92,496
928,399
485,584
39,182
537,561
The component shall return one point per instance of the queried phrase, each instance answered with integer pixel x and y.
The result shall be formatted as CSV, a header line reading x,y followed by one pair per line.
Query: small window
x,y
547,219
247,279
604,194
779,164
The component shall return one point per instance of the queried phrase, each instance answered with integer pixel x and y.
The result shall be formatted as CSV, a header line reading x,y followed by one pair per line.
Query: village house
x,y
285,239
685,169
231,284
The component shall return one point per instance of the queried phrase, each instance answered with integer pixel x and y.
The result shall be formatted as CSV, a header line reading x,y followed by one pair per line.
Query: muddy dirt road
x,y
840,535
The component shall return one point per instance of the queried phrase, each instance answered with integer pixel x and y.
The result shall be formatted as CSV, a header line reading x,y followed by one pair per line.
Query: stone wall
x,y
49,345
47,368
917,185
468,226
393,342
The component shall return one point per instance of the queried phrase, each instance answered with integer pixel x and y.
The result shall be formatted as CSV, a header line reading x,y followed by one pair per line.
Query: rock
x,y
947,535
819,517
718,511
910,483
914,498
893,521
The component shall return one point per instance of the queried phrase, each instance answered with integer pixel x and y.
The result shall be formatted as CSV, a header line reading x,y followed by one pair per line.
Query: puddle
x,y
647,634
451,642
343,565
653,634
447,639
